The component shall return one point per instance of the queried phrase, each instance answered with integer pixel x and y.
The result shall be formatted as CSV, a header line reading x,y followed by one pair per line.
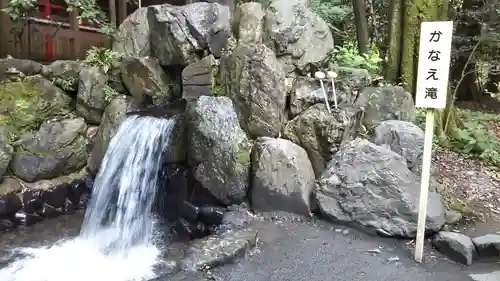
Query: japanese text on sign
x,y
433,64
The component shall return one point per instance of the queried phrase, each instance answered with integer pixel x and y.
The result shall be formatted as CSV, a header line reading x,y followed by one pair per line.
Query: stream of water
x,y
117,237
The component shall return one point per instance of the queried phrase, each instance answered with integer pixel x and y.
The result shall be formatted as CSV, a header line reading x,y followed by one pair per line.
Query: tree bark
x,y
361,26
393,64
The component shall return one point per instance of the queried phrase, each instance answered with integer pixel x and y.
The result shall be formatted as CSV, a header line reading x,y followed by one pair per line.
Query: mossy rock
x,y
26,103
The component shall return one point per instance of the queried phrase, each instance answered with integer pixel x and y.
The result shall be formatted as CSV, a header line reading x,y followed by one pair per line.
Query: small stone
x,y
452,217
393,259
488,245
458,247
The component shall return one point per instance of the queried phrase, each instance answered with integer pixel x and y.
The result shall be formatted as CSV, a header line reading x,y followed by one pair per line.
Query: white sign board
x,y
433,64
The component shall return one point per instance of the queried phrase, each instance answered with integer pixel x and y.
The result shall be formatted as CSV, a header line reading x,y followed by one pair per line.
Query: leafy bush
x,y
348,56
105,59
473,139
339,17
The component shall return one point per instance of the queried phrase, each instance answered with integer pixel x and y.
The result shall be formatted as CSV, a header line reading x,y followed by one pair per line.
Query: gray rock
x,y
176,151
321,133
58,148
282,177
180,33
371,186
456,246
386,103
300,38
142,74
248,24
197,78
452,217
218,148
255,82
237,219
64,74
111,119
404,138
133,35
91,98
306,91
50,99
185,276
218,249
354,78
10,186
488,245
26,67
115,81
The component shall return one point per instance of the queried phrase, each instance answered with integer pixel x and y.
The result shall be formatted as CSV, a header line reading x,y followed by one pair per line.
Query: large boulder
x,y
58,148
218,148
197,78
143,75
10,66
404,138
64,74
133,35
25,104
255,82
112,117
386,103
282,177
321,133
307,91
301,39
91,98
248,24
370,185
179,34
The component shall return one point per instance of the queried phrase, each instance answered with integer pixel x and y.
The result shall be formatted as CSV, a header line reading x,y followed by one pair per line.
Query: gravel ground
x,y
291,250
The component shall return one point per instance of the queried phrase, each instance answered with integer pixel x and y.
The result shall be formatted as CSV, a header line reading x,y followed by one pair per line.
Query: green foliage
x,y
348,56
66,83
473,139
88,10
339,17
20,109
105,59
109,93
17,9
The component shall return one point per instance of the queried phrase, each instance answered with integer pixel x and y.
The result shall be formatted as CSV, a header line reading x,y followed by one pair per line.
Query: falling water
x,y
116,239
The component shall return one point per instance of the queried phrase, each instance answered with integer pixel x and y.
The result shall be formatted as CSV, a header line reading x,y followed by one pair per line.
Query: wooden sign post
x,y
432,87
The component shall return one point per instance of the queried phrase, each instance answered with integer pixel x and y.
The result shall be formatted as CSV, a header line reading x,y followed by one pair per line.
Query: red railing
x,y
46,9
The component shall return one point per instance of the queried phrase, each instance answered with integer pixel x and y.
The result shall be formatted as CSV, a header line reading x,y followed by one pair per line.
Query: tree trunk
x,y
415,12
393,64
361,26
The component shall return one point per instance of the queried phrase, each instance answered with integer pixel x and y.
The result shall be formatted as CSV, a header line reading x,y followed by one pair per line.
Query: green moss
x,y
243,157
218,89
21,107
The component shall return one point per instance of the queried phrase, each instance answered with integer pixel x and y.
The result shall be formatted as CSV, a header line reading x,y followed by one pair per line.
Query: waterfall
x,y
116,238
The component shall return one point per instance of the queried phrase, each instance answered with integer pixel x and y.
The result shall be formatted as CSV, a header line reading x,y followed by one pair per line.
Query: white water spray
x,y
116,239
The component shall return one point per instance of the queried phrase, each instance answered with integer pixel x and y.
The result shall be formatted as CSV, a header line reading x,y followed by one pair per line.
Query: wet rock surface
x,y
218,249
